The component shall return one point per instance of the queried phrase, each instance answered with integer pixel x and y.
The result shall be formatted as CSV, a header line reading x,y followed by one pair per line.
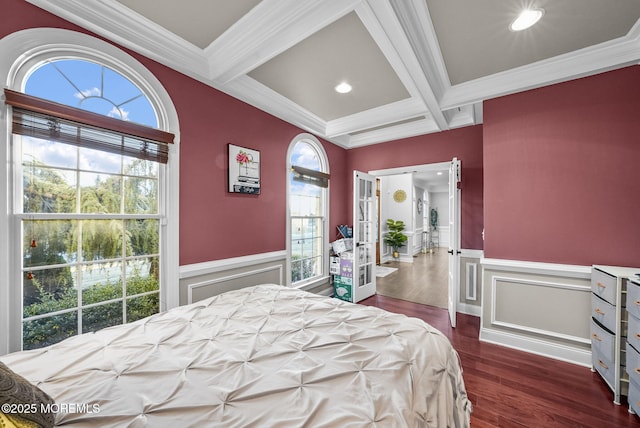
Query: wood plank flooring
x,y
423,281
510,388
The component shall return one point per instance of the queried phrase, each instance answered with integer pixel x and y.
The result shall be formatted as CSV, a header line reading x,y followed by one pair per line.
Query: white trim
x,y
570,271
528,329
204,268
538,347
472,254
327,291
19,52
191,287
311,284
471,281
466,308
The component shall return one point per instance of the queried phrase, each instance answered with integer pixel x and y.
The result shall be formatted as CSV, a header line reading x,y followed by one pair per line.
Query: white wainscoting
x,y
470,282
540,308
201,280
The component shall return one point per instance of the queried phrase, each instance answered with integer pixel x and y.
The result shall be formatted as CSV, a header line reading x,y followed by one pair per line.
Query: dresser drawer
x,y
634,397
633,365
602,342
633,335
633,298
604,366
603,312
604,285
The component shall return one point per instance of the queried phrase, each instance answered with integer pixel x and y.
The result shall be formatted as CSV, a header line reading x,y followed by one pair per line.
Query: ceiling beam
x,y
271,28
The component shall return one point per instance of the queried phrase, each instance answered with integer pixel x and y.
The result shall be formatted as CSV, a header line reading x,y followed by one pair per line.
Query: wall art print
x,y
244,170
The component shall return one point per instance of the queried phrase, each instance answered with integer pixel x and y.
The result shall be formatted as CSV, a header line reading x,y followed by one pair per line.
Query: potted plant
x,y
394,237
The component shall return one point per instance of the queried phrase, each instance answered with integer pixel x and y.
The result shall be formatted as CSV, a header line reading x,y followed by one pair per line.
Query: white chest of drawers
x,y
609,325
633,344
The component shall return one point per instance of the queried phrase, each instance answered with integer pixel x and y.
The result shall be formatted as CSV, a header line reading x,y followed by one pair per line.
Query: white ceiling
x,y
416,66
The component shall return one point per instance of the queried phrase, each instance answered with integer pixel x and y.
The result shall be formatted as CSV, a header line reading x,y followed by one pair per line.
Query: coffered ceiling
x,y
416,66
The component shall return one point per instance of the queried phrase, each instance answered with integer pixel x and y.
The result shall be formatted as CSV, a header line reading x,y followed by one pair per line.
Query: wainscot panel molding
x,y
470,297
202,280
542,308
197,269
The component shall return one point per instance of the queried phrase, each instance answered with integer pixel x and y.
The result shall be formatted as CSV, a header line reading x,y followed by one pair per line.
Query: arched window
x,y
307,197
89,203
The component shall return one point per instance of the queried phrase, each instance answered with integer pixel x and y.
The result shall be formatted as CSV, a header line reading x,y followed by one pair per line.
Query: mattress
x,y
263,356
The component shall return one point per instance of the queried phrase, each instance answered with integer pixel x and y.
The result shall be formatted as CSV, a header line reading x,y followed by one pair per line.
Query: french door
x,y
454,239
364,235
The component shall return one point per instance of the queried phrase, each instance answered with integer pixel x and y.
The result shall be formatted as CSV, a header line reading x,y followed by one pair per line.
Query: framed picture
x,y
244,170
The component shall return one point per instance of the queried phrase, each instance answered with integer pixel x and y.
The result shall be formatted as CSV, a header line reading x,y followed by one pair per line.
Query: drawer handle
x,y
603,364
601,285
599,311
596,337
637,302
637,370
637,336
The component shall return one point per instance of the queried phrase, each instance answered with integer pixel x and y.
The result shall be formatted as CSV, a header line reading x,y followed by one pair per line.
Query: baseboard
x,y
467,309
544,348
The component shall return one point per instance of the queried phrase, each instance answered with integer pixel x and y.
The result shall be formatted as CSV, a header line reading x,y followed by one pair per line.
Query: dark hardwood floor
x,y
510,388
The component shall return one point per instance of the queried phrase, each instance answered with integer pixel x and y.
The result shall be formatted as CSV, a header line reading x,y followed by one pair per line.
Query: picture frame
x,y
244,170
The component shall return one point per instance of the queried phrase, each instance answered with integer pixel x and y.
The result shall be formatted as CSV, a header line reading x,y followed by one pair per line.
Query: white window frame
x,y
324,164
20,52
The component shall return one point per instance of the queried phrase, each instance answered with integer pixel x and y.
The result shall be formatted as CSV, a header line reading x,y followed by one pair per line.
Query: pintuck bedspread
x,y
263,356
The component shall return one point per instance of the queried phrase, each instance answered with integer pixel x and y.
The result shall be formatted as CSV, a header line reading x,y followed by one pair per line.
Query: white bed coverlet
x,y
264,356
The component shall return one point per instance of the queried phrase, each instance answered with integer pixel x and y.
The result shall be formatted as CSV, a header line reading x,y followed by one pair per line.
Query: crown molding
x,y
461,116
115,22
375,117
264,98
606,56
405,130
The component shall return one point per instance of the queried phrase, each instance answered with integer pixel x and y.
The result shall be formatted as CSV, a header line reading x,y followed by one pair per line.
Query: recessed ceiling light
x,y
526,19
343,88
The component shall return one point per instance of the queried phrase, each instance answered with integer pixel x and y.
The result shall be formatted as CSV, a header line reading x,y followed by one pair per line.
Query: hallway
x,y
423,281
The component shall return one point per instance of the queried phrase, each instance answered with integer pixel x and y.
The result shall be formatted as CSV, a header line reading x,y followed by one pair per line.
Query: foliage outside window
x,y
90,219
307,204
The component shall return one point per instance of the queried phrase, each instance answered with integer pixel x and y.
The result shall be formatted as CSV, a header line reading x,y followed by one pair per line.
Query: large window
x,y
90,218
307,199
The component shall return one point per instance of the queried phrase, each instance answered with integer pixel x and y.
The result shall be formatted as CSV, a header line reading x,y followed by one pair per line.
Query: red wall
x,y
213,223
562,172
464,143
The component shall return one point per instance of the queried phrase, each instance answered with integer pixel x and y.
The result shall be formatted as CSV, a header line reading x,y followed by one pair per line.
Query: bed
x,y
262,356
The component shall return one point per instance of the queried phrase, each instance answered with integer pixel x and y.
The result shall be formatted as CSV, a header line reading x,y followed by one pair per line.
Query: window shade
x,y
40,118
310,176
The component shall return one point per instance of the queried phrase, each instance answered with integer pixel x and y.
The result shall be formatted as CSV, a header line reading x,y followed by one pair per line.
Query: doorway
x,y
427,188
